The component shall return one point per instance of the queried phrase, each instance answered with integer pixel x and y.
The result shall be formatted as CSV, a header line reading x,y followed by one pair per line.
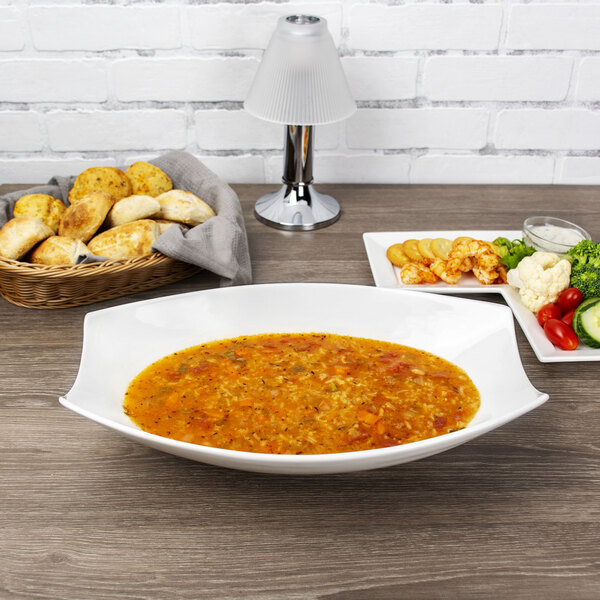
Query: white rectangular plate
x,y
387,275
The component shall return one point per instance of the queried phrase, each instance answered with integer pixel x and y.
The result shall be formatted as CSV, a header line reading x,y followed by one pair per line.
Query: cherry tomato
x,y
567,318
560,334
570,298
549,311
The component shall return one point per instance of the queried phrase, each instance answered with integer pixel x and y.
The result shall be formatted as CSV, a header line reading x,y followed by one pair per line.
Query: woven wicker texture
x,y
47,287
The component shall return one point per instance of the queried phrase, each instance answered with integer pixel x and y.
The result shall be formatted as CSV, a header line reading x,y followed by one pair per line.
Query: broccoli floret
x,y
587,280
585,252
585,268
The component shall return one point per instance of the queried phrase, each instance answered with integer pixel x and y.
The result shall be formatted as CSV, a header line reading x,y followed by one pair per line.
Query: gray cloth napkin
x,y
219,245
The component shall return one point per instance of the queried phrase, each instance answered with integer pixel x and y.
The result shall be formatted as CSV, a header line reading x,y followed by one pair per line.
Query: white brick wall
x,y
381,77
551,129
12,36
191,79
391,129
449,91
98,130
588,81
104,27
48,80
554,26
424,26
497,78
227,26
20,131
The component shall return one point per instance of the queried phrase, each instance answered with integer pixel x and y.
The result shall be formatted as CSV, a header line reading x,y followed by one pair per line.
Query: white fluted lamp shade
x,y
300,80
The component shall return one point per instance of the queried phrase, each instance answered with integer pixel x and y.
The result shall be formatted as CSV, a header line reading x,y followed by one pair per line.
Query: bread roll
x,y
42,206
58,250
131,240
100,179
132,208
83,219
163,225
183,207
20,235
147,179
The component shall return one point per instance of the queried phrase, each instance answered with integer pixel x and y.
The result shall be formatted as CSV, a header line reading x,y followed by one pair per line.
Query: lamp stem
x,y
297,206
298,158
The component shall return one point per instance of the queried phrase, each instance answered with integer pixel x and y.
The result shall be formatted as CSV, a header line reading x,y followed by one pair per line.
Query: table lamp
x,y
299,83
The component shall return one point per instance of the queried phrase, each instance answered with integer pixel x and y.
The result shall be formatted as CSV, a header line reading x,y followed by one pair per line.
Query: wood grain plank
x,y
513,514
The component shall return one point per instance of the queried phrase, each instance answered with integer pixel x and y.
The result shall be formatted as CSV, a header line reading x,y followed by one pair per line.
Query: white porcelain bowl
x,y
477,336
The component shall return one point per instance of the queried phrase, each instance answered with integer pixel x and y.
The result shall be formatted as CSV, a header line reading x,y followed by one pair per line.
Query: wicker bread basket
x,y
218,245
40,286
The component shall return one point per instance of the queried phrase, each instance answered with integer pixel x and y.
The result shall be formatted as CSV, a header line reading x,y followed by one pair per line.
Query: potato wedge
x,y
463,238
411,249
441,247
425,250
396,255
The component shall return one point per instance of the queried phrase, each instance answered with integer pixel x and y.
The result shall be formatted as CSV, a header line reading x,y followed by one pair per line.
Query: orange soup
x,y
301,394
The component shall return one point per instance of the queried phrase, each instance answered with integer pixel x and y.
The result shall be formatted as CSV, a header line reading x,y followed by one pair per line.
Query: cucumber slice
x,y
586,322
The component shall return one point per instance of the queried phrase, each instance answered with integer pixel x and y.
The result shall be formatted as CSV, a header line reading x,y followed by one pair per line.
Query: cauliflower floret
x,y
512,278
542,277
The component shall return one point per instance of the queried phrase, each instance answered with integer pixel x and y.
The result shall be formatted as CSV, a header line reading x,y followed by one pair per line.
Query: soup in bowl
x,y
475,337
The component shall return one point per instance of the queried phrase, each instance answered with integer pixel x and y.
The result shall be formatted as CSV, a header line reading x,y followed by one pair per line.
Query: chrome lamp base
x,y
297,208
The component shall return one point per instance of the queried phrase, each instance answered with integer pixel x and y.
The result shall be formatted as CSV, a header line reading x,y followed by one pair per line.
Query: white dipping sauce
x,y
558,235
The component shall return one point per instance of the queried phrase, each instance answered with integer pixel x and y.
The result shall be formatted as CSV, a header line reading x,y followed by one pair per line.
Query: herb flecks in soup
x,y
301,394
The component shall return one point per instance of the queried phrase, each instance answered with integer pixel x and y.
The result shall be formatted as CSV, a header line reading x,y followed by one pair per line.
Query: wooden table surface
x,y
87,514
